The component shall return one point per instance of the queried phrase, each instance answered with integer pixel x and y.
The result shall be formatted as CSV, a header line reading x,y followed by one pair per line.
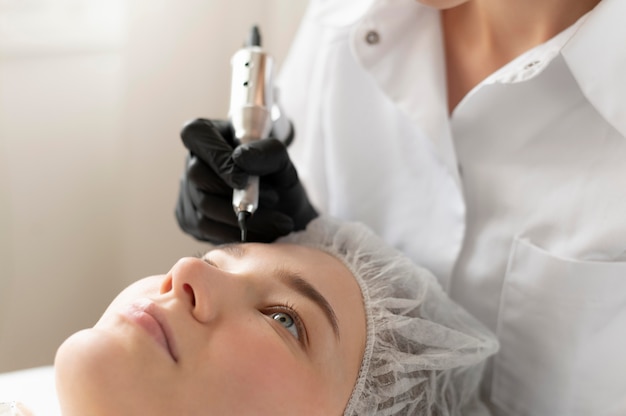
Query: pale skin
x,y
480,36
235,335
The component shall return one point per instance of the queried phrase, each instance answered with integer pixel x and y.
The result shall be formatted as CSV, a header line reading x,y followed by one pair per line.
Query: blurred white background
x,y
92,97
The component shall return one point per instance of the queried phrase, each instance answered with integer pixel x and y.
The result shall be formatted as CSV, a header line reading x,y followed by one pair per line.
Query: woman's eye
x,y
287,321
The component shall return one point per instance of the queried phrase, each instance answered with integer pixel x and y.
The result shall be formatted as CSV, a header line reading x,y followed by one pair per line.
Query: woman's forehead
x,y
315,264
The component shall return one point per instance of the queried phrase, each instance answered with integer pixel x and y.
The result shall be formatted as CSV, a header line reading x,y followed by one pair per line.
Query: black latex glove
x,y
216,165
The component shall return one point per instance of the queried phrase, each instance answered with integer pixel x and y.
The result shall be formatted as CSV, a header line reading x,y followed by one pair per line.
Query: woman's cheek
x,y
262,366
266,353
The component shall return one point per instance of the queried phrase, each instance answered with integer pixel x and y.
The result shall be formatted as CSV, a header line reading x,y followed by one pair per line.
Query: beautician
x,y
484,138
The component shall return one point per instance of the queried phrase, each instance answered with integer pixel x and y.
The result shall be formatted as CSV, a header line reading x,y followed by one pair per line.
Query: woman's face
x,y
251,329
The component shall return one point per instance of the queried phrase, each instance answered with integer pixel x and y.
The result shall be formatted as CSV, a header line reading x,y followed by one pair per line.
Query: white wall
x,y
92,97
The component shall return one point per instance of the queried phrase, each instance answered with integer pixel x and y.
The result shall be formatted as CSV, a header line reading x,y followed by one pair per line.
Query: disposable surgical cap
x,y
424,354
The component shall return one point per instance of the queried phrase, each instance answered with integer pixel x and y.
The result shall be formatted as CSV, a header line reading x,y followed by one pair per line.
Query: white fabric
x,y
424,354
14,409
33,387
529,236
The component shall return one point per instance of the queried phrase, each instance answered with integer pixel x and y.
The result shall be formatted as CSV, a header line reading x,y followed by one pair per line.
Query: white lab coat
x,y
517,201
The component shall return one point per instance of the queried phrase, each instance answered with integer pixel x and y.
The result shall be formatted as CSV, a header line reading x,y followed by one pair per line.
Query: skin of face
x,y
223,349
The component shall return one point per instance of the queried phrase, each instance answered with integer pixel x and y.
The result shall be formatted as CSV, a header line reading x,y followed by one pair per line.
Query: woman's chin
x,y
83,372
105,371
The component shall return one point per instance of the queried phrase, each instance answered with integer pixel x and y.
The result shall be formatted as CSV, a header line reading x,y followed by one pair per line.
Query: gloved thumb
x,y
264,157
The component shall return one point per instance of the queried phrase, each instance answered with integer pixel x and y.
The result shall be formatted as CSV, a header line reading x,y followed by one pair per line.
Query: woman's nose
x,y
198,285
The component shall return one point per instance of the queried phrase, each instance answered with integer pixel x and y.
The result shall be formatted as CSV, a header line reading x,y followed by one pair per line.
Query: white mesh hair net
x,y
424,354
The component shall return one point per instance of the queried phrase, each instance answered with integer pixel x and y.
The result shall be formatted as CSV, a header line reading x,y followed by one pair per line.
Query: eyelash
x,y
202,256
290,309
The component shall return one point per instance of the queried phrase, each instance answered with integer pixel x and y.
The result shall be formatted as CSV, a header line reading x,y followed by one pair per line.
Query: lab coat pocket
x,y
562,330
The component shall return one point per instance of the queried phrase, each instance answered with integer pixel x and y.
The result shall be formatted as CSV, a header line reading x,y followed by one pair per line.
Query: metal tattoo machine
x,y
254,113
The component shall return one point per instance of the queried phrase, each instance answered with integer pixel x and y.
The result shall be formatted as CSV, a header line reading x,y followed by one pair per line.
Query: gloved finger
x,y
229,233
266,225
288,138
268,158
261,157
203,139
264,221
217,208
194,222
218,232
186,215
268,196
286,178
211,218
204,178
278,172
225,128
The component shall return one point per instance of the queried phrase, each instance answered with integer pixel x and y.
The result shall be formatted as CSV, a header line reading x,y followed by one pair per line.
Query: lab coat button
x,y
531,64
372,37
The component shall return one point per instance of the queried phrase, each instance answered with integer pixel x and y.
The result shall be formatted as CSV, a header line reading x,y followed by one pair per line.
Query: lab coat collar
x,y
337,14
596,56
405,29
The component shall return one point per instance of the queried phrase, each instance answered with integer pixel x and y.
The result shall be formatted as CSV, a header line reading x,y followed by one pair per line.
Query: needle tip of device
x,y
254,37
242,218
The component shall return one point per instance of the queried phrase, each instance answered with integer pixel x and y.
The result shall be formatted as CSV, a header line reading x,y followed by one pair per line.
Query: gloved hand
x,y
216,165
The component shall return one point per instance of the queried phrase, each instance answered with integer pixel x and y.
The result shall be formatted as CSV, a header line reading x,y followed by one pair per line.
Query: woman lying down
x,y
327,321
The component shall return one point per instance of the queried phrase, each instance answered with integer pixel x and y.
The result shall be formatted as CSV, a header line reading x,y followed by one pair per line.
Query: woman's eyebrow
x,y
298,284
234,249
294,282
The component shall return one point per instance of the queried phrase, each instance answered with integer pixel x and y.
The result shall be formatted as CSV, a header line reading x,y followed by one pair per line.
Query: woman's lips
x,y
149,317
